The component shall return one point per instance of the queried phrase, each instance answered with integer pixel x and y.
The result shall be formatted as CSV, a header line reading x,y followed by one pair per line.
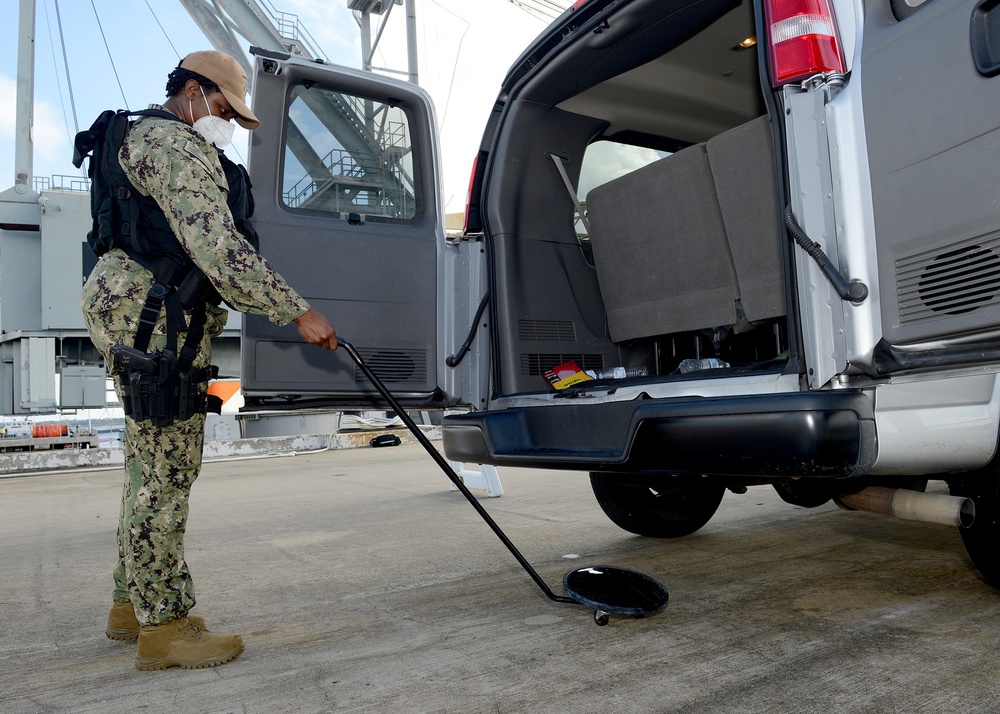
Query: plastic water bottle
x,y
621,372
697,365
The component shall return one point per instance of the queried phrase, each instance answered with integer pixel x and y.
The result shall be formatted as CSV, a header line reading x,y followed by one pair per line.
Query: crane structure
x,y
259,23
363,11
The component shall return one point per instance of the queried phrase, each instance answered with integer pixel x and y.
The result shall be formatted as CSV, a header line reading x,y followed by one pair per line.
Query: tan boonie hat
x,y
228,74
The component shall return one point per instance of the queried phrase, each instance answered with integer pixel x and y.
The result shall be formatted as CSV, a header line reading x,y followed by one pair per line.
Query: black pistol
x,y
129,359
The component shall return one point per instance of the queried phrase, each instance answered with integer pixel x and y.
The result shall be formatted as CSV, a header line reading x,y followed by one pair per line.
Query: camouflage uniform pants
x,y
161,464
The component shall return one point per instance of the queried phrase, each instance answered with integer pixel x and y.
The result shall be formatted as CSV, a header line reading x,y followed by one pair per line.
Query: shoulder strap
x,y
118,181
158,113
167,271
159,297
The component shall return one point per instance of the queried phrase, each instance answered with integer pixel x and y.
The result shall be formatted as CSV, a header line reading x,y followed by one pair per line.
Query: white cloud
x,y
52,148
49,135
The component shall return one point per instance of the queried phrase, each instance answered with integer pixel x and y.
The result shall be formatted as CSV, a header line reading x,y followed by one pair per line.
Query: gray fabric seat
x,y
660,249
742,163
678,242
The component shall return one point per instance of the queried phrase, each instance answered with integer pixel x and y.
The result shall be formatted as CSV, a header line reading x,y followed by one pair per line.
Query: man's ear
x,y
192,90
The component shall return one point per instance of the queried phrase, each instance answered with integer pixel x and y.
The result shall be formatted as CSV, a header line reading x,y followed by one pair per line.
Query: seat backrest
x,y
742,165
660,249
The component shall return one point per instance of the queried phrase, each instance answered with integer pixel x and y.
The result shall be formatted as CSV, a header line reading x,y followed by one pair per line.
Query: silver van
x,y
779,218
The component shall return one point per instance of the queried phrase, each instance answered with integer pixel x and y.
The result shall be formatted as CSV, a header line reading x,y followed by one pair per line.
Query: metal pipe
x,y
23,148
411,40
911,505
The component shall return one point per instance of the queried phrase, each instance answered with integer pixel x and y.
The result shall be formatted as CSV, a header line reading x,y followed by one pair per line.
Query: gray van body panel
x,y
812,200
933,143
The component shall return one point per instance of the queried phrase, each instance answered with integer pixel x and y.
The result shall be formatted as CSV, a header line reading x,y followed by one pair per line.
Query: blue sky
x,y
465,48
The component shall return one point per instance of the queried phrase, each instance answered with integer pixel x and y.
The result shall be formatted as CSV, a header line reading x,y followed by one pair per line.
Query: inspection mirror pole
x,y
607,589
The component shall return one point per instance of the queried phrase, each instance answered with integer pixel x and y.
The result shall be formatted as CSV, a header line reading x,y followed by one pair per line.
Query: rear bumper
x,y
807,434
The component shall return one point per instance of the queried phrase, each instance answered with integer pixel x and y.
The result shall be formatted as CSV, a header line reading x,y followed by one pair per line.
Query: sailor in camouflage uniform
x,y
177,166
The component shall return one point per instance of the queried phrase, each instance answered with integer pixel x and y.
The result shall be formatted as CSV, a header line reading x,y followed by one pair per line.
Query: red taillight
x,y
802,40
468,194
579,3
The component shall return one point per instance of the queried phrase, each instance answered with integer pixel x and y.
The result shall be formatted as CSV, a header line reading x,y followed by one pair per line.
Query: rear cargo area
x,y
681,253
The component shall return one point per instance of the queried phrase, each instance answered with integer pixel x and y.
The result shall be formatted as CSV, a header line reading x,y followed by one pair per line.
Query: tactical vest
x,y
125,218
161,386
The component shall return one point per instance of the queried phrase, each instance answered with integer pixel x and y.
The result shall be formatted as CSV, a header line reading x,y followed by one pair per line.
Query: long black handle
x,y
983,36
448,470
853,290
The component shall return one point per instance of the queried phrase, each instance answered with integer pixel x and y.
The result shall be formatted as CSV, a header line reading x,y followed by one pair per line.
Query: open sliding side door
x,y
345,185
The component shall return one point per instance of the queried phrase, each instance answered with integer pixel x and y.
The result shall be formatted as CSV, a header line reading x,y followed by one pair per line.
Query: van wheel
x,y
657,506
982,538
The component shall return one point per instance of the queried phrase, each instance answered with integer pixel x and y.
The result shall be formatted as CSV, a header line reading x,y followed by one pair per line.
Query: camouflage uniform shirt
x,y
171,162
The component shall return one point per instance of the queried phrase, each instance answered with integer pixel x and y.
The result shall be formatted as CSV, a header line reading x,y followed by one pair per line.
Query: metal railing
x,y
61,182
290,27
369,190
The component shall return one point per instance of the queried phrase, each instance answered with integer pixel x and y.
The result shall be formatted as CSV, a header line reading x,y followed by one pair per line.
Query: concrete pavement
x,y
361,583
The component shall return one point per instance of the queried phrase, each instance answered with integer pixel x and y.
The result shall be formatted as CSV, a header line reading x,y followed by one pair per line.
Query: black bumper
x,y
806,434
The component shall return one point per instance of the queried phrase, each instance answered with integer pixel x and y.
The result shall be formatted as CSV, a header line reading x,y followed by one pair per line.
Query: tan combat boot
x,y
179,643
124,626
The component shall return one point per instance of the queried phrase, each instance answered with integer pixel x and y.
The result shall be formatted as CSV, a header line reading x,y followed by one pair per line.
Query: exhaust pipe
x,y
911,505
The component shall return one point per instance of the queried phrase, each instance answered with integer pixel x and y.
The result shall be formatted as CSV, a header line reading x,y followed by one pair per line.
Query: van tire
x,y
982,538
657,506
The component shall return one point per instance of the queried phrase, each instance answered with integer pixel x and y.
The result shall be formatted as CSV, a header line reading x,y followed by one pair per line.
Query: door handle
x,y
984,36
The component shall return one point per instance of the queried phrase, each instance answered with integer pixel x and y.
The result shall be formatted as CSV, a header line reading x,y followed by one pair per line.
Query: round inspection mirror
x,y
616,590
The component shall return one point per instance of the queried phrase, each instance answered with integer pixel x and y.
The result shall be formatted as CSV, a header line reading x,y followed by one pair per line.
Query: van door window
x,y
336,163
605,161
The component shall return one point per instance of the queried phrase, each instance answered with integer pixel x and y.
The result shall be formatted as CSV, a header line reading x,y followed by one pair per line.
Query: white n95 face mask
x,y
215,130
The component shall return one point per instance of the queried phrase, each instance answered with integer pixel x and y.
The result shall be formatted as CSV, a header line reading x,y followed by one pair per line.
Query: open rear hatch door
x,y
343,169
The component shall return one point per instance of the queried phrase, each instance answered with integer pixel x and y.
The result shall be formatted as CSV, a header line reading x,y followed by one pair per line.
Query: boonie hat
x,y
228,74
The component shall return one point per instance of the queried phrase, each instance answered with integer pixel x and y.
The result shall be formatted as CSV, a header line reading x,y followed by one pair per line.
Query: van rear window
x,y
605,161
345,154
